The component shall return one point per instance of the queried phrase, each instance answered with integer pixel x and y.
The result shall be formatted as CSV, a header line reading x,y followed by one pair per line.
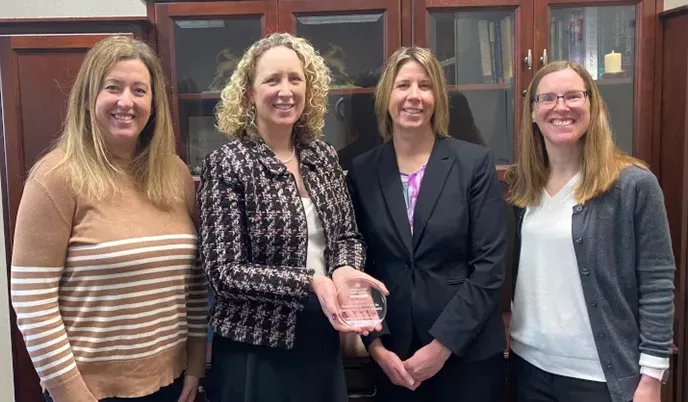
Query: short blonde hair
x,y
424,57
86,157
601,159
235,115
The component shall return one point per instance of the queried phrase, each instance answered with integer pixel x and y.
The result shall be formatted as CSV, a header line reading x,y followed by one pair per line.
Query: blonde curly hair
x,y
236,116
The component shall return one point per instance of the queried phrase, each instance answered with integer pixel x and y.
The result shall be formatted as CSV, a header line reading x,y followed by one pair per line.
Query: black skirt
x,y
310,372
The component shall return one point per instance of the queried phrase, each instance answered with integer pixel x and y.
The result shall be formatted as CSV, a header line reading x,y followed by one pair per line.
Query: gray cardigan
x,y
626,266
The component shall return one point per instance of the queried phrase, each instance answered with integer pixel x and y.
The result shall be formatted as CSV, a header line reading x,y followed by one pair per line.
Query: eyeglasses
x,y
571,99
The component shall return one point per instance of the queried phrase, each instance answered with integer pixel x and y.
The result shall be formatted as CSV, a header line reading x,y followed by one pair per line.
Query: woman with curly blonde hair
x,y
278,234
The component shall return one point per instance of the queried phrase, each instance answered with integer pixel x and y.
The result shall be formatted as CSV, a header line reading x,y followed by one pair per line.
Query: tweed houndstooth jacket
x,y
254,236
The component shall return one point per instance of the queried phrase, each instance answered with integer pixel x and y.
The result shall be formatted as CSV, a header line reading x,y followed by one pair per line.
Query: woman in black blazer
x,y
277,232
431,212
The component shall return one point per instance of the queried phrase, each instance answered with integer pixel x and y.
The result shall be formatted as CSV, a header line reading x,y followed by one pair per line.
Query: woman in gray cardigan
x,y
593,289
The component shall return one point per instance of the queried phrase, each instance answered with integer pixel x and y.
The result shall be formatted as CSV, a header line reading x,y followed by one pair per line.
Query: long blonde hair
x,y
86,159
601,159
235,115
383,90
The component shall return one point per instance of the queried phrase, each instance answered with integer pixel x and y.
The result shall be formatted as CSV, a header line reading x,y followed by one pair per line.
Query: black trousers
x,y
457,381
310,372
164,394
534,385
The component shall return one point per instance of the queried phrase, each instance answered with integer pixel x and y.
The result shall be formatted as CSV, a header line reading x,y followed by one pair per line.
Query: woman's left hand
x,y
190,389
649,390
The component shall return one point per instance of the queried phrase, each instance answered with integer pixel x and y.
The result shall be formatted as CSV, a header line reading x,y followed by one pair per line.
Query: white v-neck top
x,y
550,327
315,256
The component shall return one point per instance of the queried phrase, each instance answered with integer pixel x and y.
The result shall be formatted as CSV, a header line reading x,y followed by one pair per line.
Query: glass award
x,y
361,303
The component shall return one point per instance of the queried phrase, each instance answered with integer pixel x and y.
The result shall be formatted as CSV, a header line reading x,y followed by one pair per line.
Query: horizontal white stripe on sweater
x,y
39,324
51,342
52,353
31,292
129,306
137,272
174,317
91,298
43,334
24,281
59,373
17,304
53,364
115,243
17,268
24,316
143,345
157,350
124,317
128,337
141,261
140,250
97,288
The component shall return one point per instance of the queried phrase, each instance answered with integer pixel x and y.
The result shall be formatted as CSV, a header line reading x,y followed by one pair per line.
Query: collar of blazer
x,y
436,171
307,152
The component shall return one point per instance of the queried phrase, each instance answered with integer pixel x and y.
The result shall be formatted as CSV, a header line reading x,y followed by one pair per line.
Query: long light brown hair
x,y
86,158
601,159
235,114
383,90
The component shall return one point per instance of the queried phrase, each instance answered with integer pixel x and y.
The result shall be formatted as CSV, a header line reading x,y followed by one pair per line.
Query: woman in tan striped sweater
x,y
104,279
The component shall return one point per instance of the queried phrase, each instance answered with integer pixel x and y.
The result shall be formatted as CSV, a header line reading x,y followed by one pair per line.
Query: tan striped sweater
x,y
108,294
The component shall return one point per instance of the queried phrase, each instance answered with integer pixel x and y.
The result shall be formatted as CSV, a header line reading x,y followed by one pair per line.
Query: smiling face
x,y
123,106
279,88
563,125
412,101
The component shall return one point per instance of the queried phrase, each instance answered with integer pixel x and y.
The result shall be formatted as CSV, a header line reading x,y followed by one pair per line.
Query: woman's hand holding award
x,y
361,302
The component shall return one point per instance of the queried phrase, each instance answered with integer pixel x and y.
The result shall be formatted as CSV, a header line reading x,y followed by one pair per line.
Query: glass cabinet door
x,y
603,40
478,50
201,44
355,41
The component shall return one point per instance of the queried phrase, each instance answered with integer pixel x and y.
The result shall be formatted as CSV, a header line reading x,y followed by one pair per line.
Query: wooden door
x,y
37,73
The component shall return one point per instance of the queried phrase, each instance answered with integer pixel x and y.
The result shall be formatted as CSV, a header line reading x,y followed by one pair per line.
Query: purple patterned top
x,y
411,185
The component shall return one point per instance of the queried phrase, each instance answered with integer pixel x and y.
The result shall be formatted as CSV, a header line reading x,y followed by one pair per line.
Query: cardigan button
x,y
585,271
579,240
579,208
593,303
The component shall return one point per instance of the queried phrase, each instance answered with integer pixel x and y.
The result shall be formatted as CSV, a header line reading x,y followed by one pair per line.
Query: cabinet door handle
x,y
528,61
544,58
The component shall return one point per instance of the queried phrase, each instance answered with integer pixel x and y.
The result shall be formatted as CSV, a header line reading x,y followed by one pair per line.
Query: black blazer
x,y
445,279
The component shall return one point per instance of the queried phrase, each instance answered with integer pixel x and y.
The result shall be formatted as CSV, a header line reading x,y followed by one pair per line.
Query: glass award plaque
x,y
361,303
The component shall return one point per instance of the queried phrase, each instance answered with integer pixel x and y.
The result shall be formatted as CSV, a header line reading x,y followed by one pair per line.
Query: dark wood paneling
x,y
37,73
392,9
141,27
673,175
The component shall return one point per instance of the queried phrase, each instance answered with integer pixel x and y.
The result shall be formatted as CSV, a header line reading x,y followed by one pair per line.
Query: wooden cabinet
x,y
355,37
38,64
671,78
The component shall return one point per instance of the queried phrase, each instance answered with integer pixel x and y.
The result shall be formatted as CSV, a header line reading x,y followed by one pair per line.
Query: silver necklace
x,y
293,153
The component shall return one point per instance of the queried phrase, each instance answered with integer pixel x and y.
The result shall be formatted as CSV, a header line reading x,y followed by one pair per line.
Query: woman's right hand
x,y
324,288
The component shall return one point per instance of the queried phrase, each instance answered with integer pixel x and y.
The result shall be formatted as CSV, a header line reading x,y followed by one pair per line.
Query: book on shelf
x,y
592,33
482,49
485,54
